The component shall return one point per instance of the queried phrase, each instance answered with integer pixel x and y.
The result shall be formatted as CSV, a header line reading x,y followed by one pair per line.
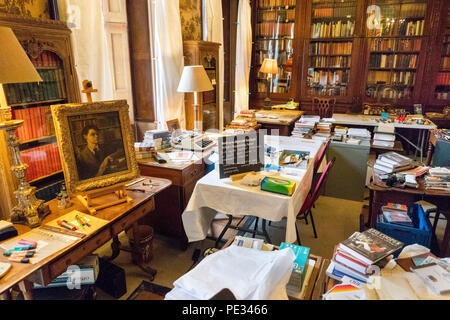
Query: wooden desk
x,y
380,196
121,217
281,120
172,201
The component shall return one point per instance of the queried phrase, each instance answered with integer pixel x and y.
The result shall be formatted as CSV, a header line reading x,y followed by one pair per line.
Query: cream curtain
x,y
166,23
92,62
243,56
214,33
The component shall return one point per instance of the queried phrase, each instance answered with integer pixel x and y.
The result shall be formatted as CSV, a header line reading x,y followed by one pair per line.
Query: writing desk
x,y
120,218
281,120
371,121
212,195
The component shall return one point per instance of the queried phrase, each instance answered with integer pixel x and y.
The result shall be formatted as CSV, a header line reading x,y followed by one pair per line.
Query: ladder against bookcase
x,y
48,45
395,47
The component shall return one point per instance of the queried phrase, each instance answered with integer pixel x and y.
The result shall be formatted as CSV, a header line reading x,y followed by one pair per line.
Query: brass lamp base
x,y
30,211
267,104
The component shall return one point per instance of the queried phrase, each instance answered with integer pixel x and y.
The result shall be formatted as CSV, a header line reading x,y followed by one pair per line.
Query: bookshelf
x,y
395,47
330,47
48,45
275,23
442,85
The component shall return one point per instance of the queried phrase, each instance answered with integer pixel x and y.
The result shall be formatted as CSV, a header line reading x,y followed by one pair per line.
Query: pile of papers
x,y
355,256
305,126
438,179
248,273
392,162
340,133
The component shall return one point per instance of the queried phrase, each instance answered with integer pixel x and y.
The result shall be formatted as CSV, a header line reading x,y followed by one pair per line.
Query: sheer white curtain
x,y
168,49
91,54
243,56
213,31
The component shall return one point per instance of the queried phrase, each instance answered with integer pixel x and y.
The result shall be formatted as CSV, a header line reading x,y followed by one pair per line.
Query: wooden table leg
x,y
27,289
138,255
115,247
446,239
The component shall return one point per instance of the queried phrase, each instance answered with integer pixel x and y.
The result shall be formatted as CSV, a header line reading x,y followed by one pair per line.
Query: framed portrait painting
x,y
96,144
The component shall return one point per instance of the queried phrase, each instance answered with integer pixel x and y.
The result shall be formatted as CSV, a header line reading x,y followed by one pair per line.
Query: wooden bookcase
x,y
48,45
207,54
338,51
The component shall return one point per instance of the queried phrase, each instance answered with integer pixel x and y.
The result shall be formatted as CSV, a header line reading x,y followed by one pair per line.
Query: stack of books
x,y
438,179
356,256
359,134
340,133
392,162
246,120
305,126
397,214
144,150
323,131
381,139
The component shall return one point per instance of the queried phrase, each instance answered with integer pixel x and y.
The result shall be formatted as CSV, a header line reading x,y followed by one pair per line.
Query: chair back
x,y
324,106
323,178
320,156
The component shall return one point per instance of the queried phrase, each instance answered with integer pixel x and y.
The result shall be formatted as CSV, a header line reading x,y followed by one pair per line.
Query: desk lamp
x,y
270,67
194,79
16,67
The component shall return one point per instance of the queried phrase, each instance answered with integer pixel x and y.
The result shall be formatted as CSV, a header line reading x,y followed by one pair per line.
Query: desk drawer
x,y
79,253
132,217
193,172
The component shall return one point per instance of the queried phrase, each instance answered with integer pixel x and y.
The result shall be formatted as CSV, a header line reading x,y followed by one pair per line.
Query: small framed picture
x,y
173,125
96,144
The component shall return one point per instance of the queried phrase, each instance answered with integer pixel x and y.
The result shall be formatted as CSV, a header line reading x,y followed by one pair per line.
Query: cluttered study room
x,y
225,150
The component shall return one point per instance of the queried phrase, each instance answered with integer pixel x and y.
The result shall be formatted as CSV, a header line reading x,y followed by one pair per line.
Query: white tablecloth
x,y
212,195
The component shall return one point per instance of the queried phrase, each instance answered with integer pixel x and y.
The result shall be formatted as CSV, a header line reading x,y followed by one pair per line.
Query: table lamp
x,y
269,66
16,67
194,79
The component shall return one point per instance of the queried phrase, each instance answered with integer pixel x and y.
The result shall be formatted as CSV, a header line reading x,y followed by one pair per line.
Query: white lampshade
x,y
15,66
269,66
194,79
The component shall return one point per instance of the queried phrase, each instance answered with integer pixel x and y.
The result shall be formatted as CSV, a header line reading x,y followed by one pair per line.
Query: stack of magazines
x,y
397,214
392,162
438,179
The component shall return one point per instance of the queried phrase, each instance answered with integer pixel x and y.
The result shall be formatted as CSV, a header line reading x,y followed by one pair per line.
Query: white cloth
x,y
243,56
214,33
90,48
249,274
168,40
212,195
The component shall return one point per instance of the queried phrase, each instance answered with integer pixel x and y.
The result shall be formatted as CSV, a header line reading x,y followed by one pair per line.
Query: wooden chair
x,y
324,106
306,210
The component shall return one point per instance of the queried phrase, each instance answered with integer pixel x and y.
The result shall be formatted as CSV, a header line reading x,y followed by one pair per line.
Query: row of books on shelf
x,y
336,12
406,10
46,60
329,77
42,161
37,123
398,28
52,88
327,90
378,60
445,64
334,29
361,254
391,78
446,49
276,3
327,48
275,45
277,15
281,57
443,79
442,95
398,93
331,62
395,44
275,29
278,87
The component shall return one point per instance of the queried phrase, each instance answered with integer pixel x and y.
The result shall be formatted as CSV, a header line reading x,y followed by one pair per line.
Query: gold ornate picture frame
x,y
96,144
